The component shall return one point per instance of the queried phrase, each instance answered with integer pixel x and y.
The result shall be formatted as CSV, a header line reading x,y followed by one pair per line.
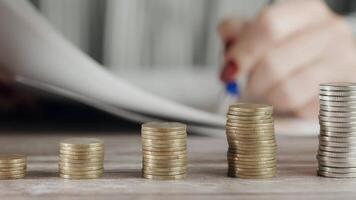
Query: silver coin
x,y
338,103
337,99
337,144
336,155
337,114
345,134
338,86
338,169
337,119
337,109
342,140
336,175
337,93
338,124
349,160
337,164
351,150
337,130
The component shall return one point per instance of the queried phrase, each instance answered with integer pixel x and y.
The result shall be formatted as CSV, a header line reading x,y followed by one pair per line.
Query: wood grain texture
x,y
207,167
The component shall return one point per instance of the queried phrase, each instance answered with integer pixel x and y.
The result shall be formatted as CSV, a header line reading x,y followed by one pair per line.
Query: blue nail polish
x,y
233,88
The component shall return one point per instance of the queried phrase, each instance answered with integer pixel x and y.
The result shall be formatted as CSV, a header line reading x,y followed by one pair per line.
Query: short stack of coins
x,y
337,140
252,143
12,166
164,149
81,158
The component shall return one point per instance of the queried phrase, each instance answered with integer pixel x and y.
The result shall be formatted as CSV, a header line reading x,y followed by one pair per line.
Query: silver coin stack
x,y
337,139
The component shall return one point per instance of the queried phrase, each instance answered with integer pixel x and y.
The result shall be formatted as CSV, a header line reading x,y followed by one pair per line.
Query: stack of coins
x,y
164,149
81,158
251,139
12,166
337,140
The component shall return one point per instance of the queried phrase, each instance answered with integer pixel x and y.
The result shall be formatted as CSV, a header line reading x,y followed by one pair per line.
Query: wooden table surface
x,y
207,167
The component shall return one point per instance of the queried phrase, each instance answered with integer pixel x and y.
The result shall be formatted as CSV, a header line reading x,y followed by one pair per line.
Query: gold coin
x,y
80,168
165,157
14,176
164,144
12,158
81,173
7,169
253,173
70,176
164,126
82,157
163,149
164,161
80,150
251,176
250,122
12,172
83,153
157,153
154,177
78,161
79,165
242,125
12,165
251,107
80,143
165,170
164,165
234,116
163,173
172,137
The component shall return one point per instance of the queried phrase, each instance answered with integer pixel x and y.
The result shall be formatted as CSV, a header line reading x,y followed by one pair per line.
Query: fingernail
x,y
229,72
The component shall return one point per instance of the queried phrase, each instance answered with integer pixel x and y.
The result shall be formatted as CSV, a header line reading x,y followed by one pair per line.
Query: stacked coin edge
x,y
337,140
13,166
164,150
251,139
81,158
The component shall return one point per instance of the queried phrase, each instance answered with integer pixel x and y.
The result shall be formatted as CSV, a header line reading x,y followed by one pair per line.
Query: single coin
x,y
338,125
250,122
83,153
252,174
12,165
165,135
164,126
81,143
13,176
250,126
163,149
7,169
80,161
337,98
336,155
164,173
79,165
331,115
12,172
232,136
81,149
234,116
337,108
172,137
338,103
162,163
252,177
164,142
345,160
338,86
80,168
342,139
337,119
341,135
336,175
337,144
249,107
12,158
163,169
337,129
165,157
70,176
337,164
246,114
253,156
82,157
337,93
154,177
337,149
155,153
81,173
337,169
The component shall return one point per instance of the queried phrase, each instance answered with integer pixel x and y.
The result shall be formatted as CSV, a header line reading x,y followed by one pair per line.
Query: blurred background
x,y
146,42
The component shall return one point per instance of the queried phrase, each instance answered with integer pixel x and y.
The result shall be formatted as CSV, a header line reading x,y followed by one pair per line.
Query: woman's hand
x,y
286,51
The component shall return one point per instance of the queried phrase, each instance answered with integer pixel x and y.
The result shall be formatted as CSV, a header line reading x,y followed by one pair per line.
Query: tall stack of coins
x,y
12,166
251,139
337,139
81,158
164,149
